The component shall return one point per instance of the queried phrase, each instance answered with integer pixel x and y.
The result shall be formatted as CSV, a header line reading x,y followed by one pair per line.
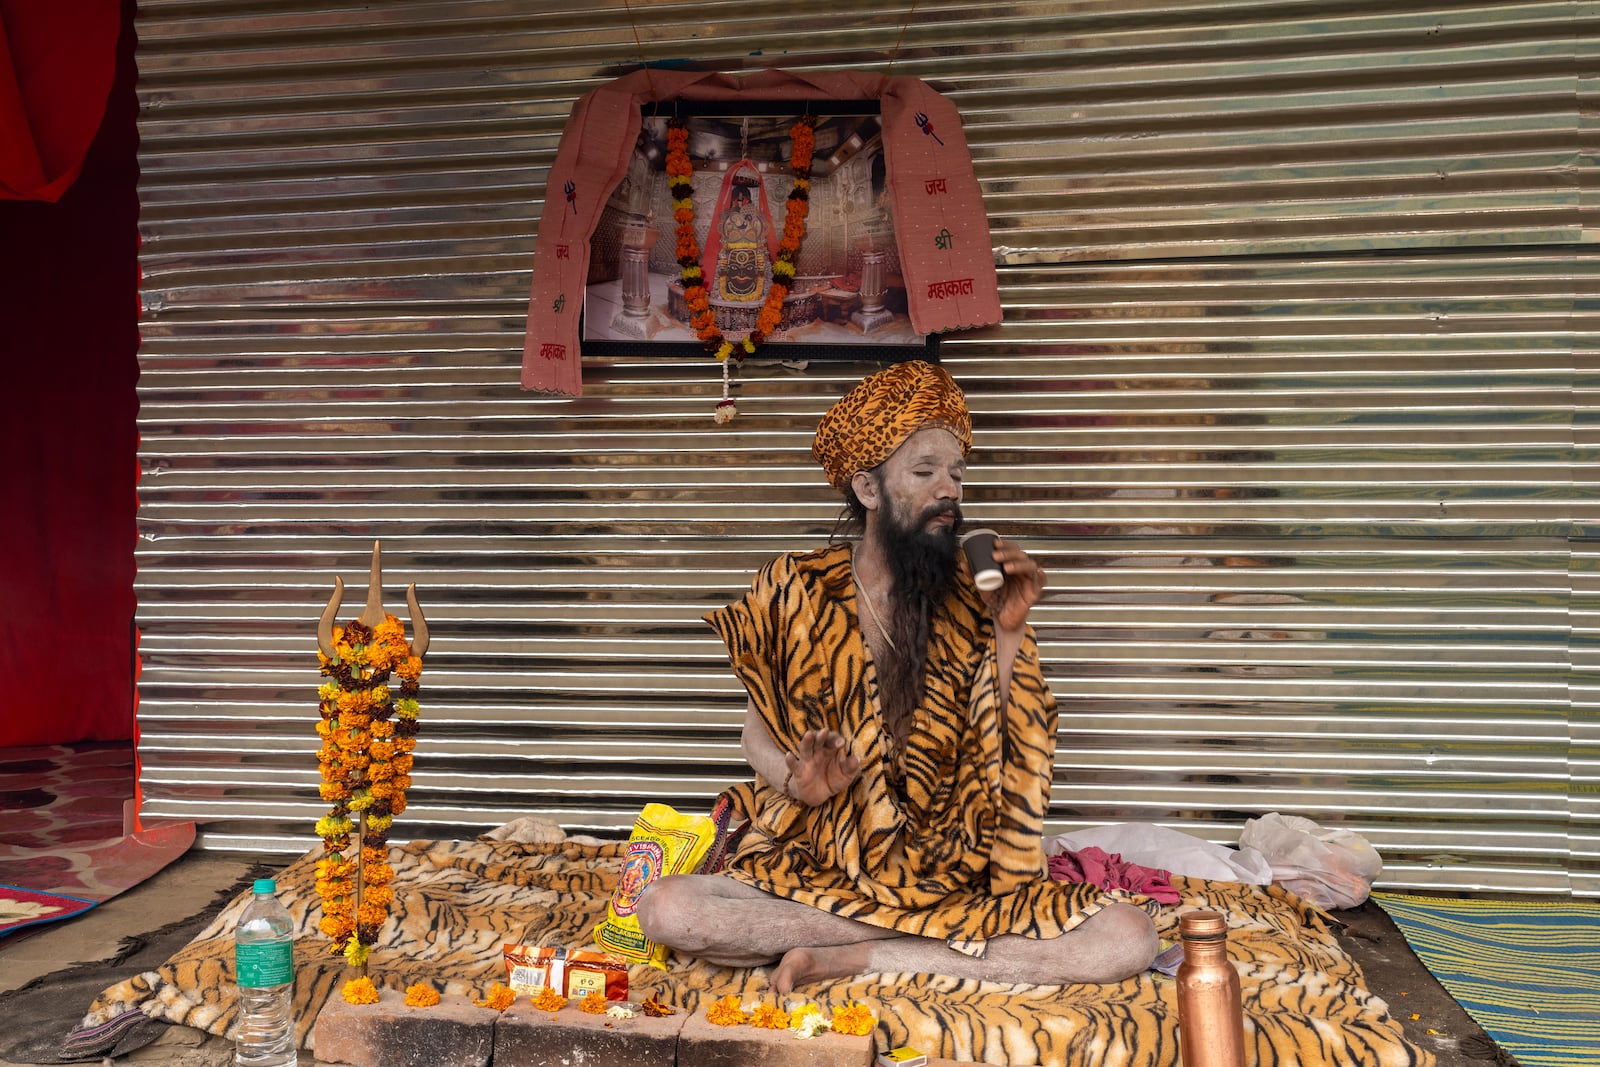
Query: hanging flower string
x,y
680,183
368,730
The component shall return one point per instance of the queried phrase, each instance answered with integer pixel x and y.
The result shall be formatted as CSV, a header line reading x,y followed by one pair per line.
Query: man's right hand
x,y
820,766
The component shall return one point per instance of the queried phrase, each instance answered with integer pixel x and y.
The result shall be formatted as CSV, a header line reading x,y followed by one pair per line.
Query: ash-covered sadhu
x,y
903,740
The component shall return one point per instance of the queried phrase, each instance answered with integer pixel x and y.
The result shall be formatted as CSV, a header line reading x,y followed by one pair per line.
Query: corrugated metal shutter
x,y
1286,399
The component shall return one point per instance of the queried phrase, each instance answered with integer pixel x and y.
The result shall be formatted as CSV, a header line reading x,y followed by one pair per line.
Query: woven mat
x,y
1527,971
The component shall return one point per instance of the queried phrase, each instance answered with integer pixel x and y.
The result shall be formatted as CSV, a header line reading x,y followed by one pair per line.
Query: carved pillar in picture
x,y
872,314
638,237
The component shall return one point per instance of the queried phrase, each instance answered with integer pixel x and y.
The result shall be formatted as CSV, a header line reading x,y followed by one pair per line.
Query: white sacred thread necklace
x,y
866,596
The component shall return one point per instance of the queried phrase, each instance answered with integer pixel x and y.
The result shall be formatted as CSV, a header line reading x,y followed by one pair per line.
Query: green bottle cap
x,y
266,885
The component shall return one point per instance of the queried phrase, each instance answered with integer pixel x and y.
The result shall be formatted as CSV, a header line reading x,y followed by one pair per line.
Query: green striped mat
x,y
1527,971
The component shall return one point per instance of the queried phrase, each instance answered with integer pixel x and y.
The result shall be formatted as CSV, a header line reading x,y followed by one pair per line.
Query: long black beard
x,y
922,568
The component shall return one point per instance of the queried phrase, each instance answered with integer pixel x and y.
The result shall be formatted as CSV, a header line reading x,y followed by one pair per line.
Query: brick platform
x,y
524,1037
453,1033
705,1044
458,1033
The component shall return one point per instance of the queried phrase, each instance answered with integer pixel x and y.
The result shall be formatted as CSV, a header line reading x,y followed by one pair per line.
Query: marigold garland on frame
x,y
680,183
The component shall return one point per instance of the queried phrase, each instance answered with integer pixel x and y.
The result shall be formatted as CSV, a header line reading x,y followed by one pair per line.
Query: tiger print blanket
x,y
458,902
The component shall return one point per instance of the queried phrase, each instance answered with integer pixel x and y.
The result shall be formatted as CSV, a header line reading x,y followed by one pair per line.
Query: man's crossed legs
x,y
729,923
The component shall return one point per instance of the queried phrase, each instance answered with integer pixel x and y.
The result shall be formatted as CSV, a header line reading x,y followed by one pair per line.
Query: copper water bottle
x,y
1210,1018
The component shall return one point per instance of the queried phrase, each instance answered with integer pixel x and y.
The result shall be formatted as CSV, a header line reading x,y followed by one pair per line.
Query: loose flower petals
x,y
421,995
549,1000
594,1003
499,998
360,991
726,1012
656,1009
854,1019
769,1017
810,1025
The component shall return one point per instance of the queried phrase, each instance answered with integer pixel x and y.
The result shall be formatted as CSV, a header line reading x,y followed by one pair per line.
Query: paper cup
x,y
979,547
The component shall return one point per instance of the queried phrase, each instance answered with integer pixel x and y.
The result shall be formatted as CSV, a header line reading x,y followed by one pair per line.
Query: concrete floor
x,y
181,889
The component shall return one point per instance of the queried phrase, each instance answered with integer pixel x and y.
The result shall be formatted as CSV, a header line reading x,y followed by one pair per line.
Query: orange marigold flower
x,y
656,1008
334,927
370,914
398,804
499,998
409,668
421,995
854,1019
373,854
360,991
549,1000
379,874
594,1003
334,791
381,895
769,1017
726,1011
354,700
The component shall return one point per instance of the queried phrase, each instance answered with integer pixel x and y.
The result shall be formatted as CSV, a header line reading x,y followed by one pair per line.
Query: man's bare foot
x,y
802,965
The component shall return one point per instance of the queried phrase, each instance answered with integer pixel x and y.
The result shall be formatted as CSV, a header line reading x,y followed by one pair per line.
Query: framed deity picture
x,y
847,298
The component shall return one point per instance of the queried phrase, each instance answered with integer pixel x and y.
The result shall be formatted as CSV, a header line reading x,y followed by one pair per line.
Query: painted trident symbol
x,y
927,127
572,196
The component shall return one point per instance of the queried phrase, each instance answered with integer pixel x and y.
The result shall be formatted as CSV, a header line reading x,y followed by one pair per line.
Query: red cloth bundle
x,y
1108,870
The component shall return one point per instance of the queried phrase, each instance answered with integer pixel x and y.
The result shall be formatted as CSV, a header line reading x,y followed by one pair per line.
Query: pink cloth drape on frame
x,y
940,225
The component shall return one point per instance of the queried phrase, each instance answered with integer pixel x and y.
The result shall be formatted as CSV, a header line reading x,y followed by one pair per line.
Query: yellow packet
x,y
663,842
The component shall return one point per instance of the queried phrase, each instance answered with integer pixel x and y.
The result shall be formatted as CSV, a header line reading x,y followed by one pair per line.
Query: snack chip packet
x,y
663,842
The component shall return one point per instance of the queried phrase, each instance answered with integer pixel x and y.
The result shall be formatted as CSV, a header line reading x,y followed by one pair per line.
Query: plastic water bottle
x,y
263,957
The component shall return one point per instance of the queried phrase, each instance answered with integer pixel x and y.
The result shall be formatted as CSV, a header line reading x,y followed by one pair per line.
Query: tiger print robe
x,y
961,858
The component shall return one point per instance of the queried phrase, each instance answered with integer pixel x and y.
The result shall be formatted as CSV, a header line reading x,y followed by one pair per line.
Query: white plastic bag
x,y
1330,868
1168,850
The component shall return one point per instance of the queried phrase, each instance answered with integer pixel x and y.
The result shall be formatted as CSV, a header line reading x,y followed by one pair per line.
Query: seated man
x,y
903,740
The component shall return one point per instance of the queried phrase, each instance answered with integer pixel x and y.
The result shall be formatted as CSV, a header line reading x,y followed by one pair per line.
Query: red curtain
x,y
68,352
57,59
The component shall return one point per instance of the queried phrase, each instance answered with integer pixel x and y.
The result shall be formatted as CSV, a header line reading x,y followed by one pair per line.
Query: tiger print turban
x,y
872,420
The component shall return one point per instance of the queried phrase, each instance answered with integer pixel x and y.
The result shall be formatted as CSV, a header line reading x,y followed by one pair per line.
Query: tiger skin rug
x,y
458,902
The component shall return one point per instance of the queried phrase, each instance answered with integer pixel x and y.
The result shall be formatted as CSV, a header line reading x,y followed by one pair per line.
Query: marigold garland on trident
x,y
368,729
680,183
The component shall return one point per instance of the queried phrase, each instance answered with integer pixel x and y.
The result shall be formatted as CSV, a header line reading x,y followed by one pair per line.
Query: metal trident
x,y
374,613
